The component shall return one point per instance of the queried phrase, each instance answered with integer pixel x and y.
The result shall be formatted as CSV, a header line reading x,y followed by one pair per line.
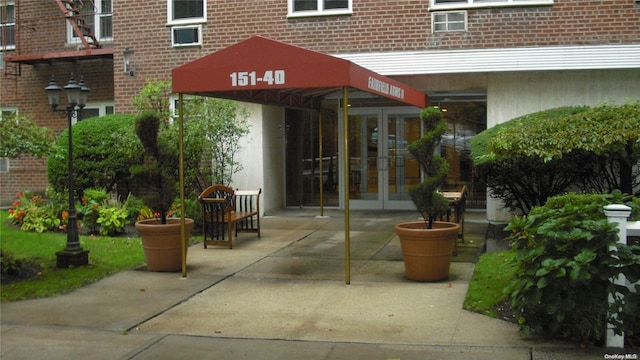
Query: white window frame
x,y
4,165
9,24
446,22
188,21
198,41
320,11
173,105
7,110
466,4
72,37
100,106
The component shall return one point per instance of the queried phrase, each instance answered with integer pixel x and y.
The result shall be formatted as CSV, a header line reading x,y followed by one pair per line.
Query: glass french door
x,y
381,169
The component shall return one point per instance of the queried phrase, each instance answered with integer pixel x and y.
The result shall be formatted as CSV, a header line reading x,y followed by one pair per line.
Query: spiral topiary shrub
x,y
425,196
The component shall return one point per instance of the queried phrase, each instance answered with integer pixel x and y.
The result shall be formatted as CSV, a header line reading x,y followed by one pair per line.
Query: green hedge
x,y
533,157
103,150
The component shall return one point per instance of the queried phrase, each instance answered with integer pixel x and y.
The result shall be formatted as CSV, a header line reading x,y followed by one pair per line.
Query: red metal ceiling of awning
x,y
271,72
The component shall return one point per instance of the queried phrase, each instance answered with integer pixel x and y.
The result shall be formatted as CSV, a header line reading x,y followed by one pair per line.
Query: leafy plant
x,y
221,124
425,196
20,135
89,208
154,97
564,265
112,220
533,157
134,206
33,213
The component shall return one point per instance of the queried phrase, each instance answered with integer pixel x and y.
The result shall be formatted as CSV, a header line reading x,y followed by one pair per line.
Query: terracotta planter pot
x,y
427,252
162,243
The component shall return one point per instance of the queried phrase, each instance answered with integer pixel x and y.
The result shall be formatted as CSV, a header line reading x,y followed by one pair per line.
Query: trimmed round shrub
x,y
104,148
533,157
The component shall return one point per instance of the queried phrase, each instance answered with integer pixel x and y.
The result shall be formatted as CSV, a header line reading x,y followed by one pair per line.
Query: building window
x,y
4,165
98,15
460,4
186,11
7,26
7,111
186,35
97,109
449,21
186,18
319,7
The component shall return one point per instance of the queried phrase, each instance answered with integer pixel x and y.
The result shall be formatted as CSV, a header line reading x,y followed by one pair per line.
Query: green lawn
x,y
107,256
492,274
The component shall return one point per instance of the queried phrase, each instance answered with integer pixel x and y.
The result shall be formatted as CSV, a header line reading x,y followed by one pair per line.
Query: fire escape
x,y
71,12
88,48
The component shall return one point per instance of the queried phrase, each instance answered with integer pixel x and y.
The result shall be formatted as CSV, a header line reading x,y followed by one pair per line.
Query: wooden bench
x,y
228,212
457,207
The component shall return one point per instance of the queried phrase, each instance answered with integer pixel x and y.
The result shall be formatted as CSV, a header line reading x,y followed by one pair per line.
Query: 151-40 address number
x,y
250,78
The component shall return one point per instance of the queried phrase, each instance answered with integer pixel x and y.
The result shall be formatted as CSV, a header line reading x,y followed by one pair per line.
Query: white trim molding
x,y
583,57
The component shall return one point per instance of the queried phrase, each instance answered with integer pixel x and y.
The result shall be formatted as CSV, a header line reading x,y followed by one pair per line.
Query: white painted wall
x,y
510,95
250,177
273,188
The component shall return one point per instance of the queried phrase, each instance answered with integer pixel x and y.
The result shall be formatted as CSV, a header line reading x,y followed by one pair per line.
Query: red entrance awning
x,y
271,72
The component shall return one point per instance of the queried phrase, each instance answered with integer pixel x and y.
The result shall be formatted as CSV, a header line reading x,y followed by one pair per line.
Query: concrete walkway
x,y
282,296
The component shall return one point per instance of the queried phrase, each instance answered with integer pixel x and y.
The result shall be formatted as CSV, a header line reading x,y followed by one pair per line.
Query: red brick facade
x,y
374,26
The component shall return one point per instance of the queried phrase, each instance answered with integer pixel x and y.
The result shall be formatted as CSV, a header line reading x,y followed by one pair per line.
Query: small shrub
x,y
564,266
33,213
10,264
134,206
90,206
112,220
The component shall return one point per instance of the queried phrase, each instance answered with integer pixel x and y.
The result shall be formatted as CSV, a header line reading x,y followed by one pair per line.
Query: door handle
x,y
383,163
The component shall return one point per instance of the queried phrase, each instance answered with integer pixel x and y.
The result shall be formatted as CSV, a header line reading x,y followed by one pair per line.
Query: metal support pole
x,y
182,206
345,181
321,162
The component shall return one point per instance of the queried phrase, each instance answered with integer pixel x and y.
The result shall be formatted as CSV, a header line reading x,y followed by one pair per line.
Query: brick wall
x,y
42,29
376,25
26,92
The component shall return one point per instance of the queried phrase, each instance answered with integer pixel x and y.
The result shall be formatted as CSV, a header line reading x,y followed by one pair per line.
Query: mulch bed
x,y
26,271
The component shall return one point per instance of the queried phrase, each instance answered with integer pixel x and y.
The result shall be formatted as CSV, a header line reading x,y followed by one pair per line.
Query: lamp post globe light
x,y
73,254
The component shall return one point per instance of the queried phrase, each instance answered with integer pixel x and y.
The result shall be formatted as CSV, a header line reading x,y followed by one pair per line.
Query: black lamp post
x,y
73,254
